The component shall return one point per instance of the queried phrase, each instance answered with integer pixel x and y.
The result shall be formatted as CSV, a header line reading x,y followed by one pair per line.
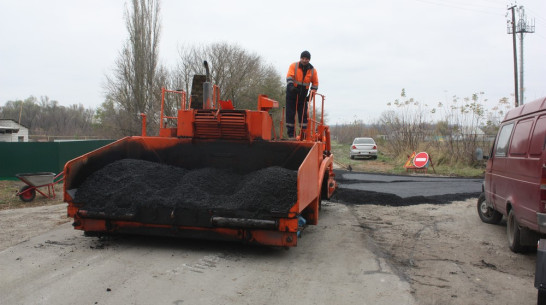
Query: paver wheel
x,y
323,194
29,195
488,214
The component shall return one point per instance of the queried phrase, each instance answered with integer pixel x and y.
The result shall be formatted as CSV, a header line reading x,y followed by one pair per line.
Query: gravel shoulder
x,y
19,225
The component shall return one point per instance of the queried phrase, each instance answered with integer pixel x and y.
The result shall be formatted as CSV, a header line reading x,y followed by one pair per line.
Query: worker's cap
x,y
306,54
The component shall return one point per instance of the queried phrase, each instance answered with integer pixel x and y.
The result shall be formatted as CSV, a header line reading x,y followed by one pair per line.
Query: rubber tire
x,y
487,214
29,195
323,190
541,297
352,157
374,158
513,233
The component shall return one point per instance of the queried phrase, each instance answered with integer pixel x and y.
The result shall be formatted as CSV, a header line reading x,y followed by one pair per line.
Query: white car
x,y
364,147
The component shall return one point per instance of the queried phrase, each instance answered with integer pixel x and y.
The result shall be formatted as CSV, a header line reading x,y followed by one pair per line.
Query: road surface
x,y
370,247
331,265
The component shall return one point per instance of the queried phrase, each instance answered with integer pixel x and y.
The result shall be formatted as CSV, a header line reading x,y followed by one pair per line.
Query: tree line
x,y
134,84
45,117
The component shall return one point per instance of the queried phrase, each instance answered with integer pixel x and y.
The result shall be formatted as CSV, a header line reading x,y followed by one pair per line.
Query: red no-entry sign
x,y
420,160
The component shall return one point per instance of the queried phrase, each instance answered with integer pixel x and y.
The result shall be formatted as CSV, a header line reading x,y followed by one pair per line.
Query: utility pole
x,y
512,31
20,112
522,28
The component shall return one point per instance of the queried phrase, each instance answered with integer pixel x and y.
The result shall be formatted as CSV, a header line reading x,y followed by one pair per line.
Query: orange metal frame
x,y
315,174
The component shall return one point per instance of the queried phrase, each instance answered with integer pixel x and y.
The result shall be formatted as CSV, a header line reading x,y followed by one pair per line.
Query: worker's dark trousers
x,y
294,101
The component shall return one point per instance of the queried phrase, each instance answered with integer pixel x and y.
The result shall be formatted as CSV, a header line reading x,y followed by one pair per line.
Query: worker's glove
x,y
292,89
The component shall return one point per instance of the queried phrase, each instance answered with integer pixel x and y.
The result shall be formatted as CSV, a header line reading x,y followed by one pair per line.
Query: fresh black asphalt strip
x,y
365,188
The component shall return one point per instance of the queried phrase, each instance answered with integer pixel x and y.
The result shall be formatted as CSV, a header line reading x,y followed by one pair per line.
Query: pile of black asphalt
x,y
124,186
348,194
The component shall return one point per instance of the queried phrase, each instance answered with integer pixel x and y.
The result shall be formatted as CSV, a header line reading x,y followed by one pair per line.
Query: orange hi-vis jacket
x,y
295,75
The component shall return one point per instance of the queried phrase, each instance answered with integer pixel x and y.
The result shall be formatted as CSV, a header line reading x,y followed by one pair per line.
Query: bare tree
x,y
407,127
134,87
240,75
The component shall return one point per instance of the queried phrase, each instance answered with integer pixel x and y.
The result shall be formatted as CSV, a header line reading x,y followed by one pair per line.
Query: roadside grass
x,y
9,199
385,163
460,171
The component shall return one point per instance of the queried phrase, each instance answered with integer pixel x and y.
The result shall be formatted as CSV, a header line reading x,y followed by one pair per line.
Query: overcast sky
x,y
365,52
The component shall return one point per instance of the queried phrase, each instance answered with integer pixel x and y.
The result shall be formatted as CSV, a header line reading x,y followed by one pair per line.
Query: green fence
x,y
31,157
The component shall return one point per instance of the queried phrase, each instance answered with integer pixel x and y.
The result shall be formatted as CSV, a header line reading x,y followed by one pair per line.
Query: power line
x,y
540,24
467,5
473,4
465,8
499,2
536,15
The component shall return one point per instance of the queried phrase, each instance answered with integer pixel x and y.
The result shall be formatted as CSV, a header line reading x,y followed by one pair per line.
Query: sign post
x,y
419,162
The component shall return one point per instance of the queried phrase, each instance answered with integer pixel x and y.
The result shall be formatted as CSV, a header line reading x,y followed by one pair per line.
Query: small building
x,y
11,131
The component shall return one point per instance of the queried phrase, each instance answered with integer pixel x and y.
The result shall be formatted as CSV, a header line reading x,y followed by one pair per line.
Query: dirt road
x,y
358,254
448,255
331,265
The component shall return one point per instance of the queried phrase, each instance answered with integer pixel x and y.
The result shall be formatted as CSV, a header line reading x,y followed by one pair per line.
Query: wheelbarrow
x,y
34,181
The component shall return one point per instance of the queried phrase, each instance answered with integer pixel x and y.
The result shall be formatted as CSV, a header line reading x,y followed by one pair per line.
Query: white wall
x,y
13,137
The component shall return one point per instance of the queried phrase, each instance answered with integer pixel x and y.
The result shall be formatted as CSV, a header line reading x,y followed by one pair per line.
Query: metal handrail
x,y
183,104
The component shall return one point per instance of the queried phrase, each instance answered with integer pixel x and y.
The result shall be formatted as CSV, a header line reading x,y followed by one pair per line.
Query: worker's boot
x,y
290,133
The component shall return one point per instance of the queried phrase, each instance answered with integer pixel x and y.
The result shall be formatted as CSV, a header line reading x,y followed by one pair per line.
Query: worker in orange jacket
x,y
301,75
